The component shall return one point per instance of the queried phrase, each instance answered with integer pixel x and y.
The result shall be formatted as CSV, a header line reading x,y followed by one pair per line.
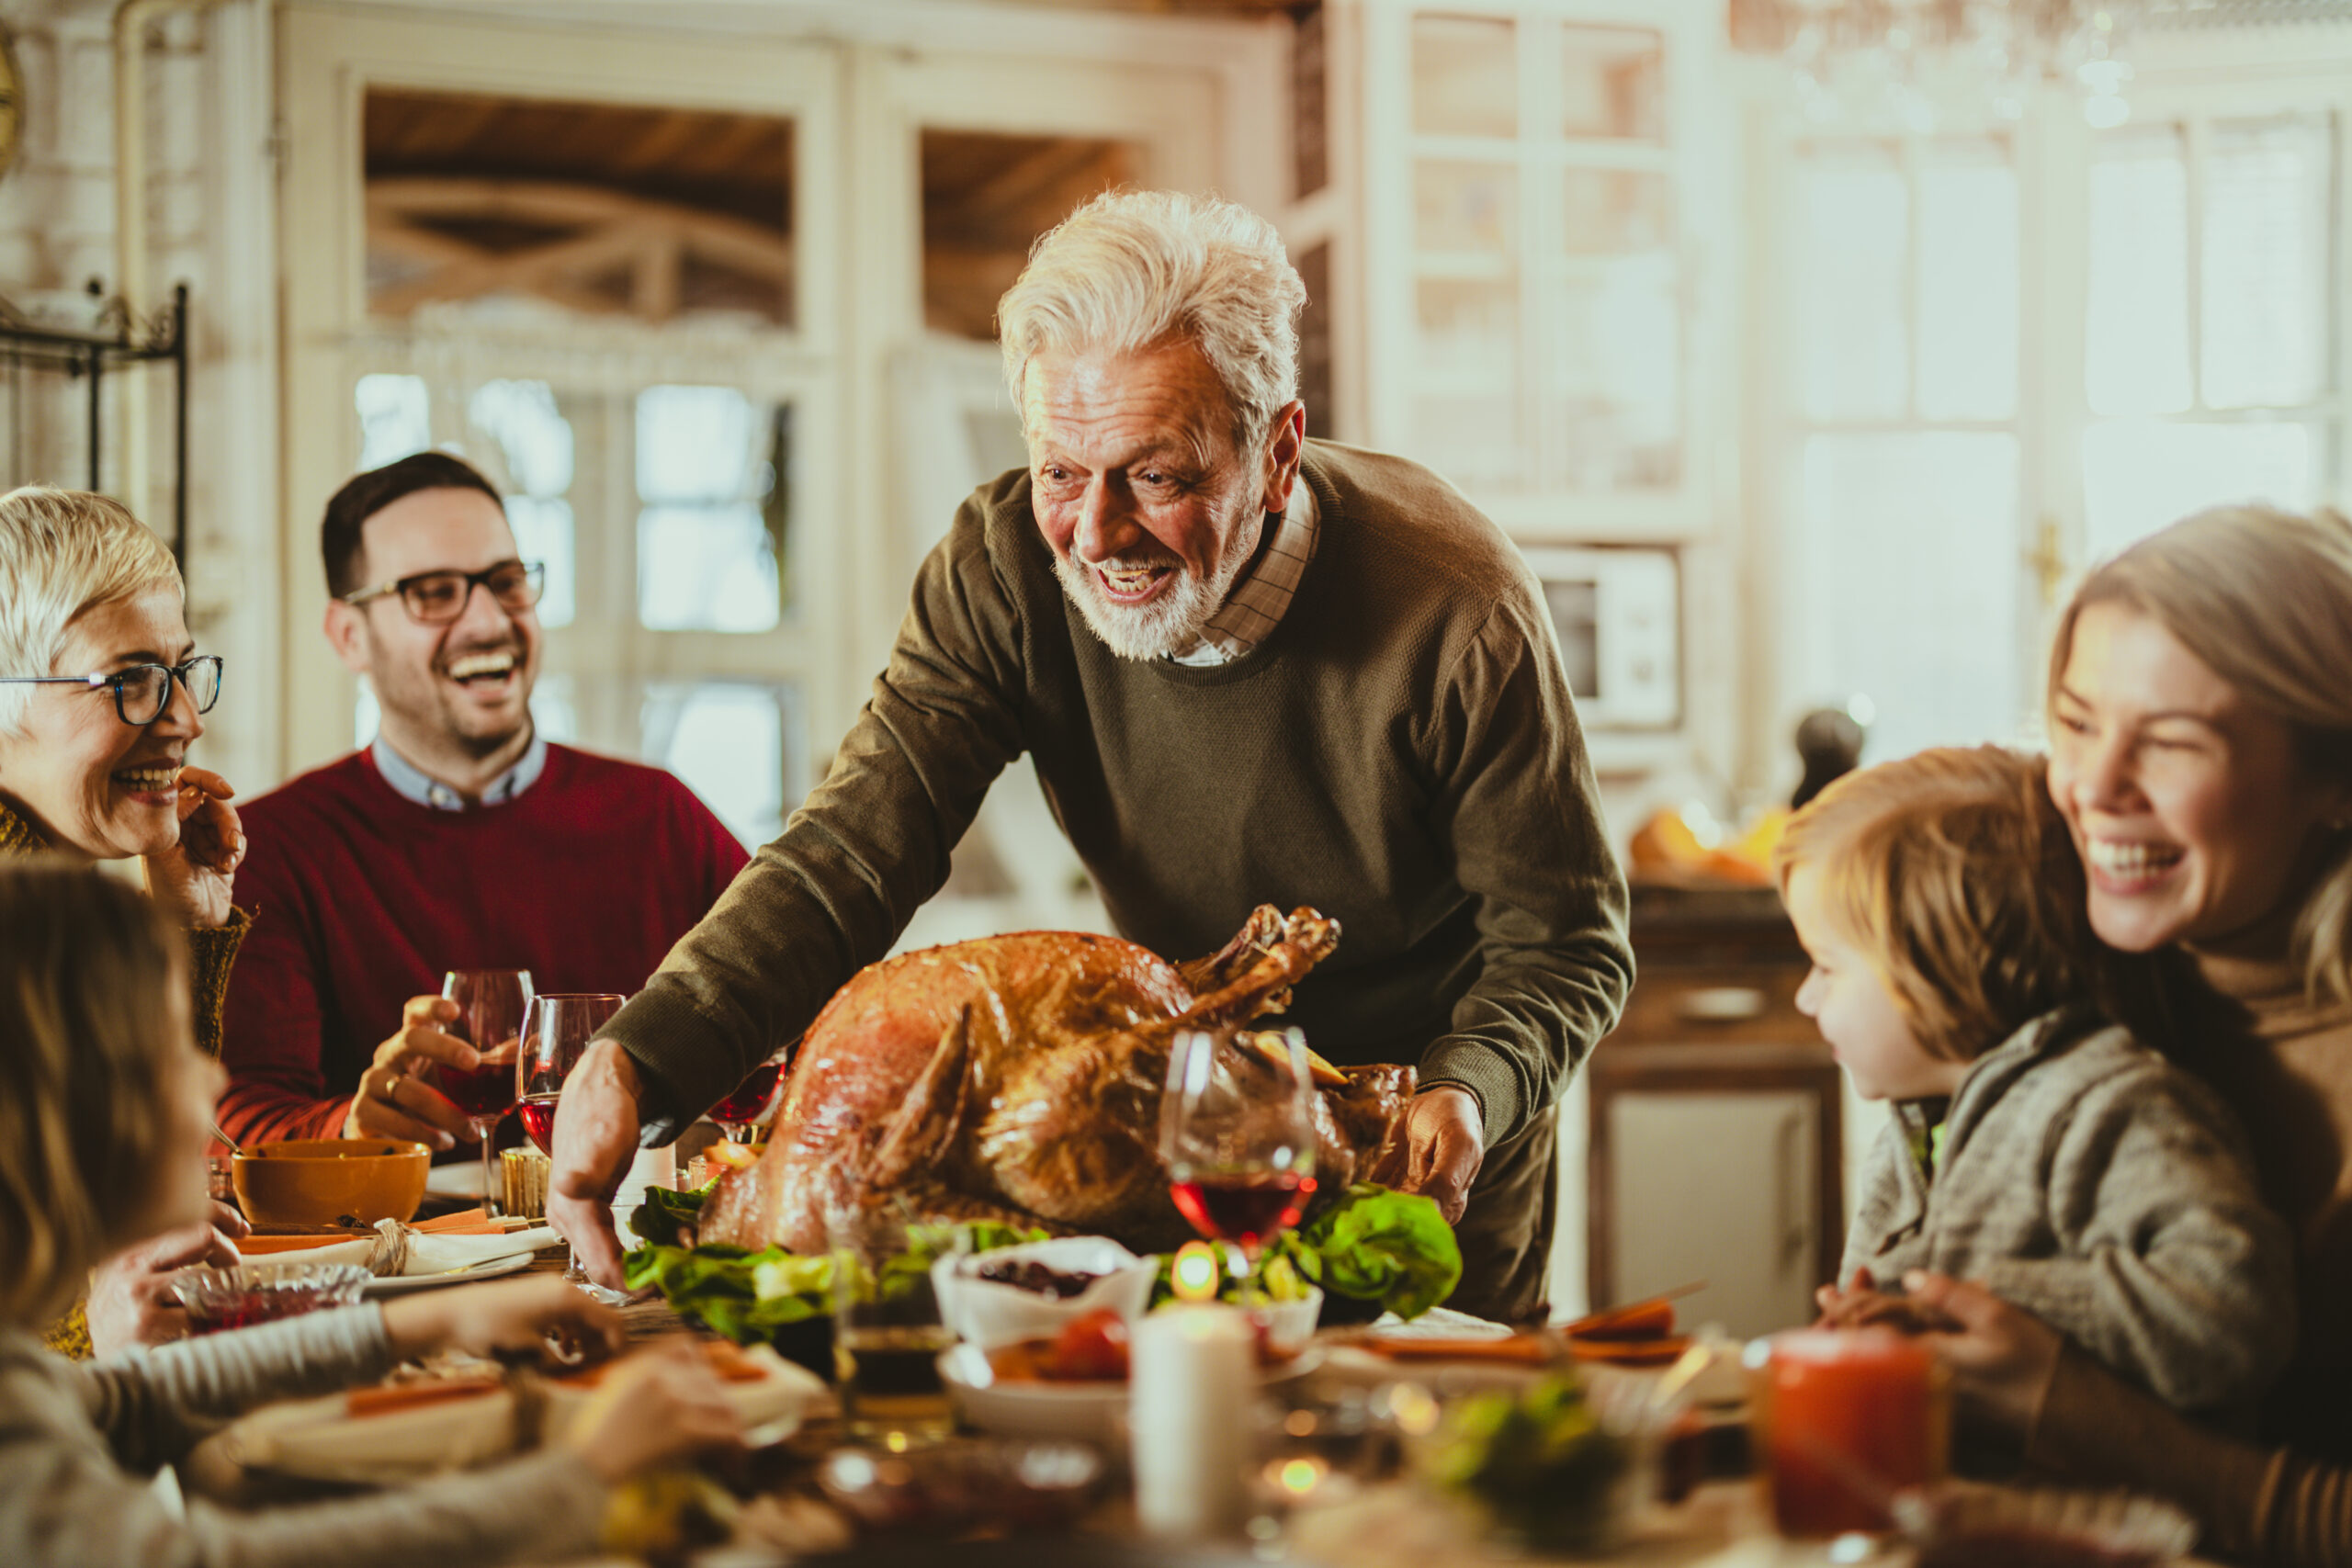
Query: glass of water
x,y
887,1331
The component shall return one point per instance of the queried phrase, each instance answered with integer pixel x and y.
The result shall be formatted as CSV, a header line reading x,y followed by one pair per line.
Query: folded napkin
x,y
396,1248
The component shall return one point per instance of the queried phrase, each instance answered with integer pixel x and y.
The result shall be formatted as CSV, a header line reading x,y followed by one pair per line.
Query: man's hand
x,y
595,1138
392,1102
511,1315
191,881
131,1294
1445,1142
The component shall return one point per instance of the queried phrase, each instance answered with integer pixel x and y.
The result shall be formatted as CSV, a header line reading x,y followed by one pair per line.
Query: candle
x,y
650,1167
1191,1390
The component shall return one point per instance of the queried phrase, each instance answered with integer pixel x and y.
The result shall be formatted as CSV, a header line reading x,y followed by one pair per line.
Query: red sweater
x,y
361,899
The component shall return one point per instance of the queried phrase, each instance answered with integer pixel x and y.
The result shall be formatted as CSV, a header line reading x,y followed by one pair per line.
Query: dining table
x,y
1384,1523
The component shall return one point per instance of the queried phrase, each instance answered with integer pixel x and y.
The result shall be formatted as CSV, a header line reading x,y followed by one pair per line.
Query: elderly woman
x,y
2200,707
101,695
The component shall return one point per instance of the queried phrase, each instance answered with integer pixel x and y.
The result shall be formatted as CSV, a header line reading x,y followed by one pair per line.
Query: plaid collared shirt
x,y
1255,607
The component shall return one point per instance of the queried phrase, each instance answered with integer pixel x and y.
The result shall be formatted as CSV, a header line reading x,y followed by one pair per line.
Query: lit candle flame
x,y
1196,1272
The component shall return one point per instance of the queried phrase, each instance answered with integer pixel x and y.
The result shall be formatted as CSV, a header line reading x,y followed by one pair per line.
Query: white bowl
x,y
1089,1412
1290,1325
989,1312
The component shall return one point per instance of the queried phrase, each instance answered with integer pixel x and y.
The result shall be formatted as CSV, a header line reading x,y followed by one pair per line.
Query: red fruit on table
x,y
1091,1347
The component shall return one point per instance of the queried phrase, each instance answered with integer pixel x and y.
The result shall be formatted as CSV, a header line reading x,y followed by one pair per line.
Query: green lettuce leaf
x,y
749,1296
666,1215
1379,1245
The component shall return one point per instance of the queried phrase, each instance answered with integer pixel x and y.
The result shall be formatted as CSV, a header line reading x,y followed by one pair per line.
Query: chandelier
x,y
1920,62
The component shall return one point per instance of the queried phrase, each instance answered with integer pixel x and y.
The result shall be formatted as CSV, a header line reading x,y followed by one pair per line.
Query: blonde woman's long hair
x,y
88,972
2264,597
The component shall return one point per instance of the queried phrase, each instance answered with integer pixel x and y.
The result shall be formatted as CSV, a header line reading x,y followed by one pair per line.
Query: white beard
x,y
1168,624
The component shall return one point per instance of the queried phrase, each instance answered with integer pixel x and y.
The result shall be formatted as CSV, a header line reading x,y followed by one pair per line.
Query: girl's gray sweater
x,y
2086,1179
73,1436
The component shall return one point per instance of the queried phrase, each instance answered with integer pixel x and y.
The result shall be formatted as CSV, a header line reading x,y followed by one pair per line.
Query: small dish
x,y
989,1312
1969,1525
1084,1412
250,1293
999,1484
324,1181
1290,1325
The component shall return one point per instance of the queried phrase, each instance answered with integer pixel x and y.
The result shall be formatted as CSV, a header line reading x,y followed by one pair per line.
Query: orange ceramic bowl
x,y
319,1181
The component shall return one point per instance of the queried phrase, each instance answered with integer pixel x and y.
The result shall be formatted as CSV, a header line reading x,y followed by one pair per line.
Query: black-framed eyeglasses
x,y
142,692
436,598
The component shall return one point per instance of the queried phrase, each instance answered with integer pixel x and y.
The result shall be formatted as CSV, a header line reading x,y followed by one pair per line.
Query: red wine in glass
x,y
1247,1210
1237,1132
737,1113
538,1111
491,1005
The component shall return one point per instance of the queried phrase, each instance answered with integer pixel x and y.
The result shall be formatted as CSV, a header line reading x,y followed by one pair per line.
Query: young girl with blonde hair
x,y
105,1104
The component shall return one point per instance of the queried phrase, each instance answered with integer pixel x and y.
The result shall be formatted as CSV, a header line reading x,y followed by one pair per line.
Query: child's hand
x,y
1863,1304
531,1315
658,1405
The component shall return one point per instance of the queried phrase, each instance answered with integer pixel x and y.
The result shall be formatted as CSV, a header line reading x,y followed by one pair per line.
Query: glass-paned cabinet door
x,y
1535,314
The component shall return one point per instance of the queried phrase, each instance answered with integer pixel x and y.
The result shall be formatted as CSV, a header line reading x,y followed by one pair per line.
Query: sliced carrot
x,y
1631,1352
394,1397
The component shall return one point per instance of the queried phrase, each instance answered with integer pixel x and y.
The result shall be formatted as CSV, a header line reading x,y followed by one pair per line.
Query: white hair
x,y
61,552
1134,269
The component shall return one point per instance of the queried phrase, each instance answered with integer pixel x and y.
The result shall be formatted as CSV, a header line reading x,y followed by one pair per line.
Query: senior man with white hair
x,y
1251,668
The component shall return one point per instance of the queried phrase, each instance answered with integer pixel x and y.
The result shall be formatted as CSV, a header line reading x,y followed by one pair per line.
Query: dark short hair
x,y
364,495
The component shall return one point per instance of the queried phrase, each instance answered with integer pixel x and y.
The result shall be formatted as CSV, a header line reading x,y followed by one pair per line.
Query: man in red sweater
x,y
460,840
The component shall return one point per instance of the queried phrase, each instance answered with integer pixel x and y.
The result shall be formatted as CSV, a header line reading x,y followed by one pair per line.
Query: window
x,y
1980,394
663,514
1907,452
2211,321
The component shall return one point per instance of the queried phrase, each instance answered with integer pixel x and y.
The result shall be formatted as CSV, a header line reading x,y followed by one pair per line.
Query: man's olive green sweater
x,y
1400,752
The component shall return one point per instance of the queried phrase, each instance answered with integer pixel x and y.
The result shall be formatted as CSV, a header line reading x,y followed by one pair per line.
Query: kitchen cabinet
x,y
1715,1145
1533,223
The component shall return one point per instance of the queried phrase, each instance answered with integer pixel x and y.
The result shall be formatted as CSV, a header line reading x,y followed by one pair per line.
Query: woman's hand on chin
x,y
191,881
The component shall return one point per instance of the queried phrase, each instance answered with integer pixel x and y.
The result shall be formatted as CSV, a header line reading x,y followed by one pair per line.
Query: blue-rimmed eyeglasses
x,y
142,692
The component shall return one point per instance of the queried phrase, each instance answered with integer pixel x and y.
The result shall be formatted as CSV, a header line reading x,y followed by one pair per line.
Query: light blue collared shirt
x,y
412,783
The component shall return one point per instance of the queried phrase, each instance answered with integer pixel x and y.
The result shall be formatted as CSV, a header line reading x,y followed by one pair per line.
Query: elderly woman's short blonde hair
x,y
2264,598
1134,269
88,970
61,552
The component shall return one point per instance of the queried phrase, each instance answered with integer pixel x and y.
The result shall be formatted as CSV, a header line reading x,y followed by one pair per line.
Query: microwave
x,y
1618,612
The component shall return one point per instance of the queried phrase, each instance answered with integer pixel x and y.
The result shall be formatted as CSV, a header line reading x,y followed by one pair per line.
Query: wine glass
x,y
557,1028
738,1115
1237,1132
491,1004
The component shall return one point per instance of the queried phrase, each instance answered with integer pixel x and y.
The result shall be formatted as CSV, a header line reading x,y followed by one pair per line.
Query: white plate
x,y
488,1268
1089,1412
318,1439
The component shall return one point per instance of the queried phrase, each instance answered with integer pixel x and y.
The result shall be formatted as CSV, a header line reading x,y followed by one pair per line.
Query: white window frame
x,y
2196,77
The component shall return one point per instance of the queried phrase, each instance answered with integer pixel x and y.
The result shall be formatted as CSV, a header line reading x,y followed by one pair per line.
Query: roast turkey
x,y
1018,1078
